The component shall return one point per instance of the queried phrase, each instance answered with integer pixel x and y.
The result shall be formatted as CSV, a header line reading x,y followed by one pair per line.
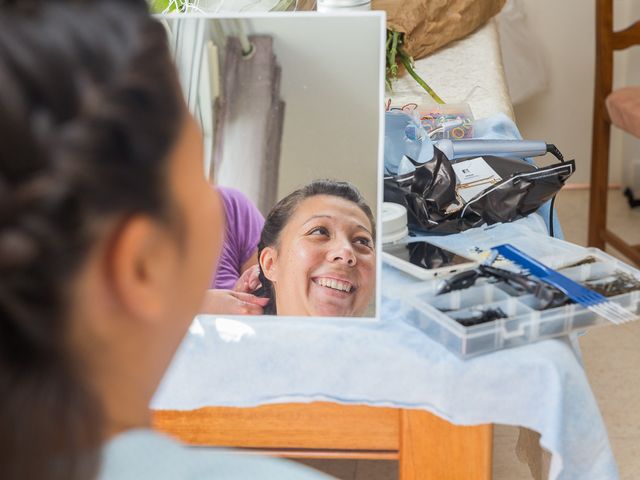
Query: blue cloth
x,y
254,361
542,386
146,455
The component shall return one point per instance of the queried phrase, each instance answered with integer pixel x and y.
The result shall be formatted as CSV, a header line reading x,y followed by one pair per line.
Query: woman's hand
x,y
249,281
229,302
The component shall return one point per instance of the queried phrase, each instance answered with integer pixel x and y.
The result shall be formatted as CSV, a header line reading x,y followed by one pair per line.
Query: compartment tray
x,y
435,314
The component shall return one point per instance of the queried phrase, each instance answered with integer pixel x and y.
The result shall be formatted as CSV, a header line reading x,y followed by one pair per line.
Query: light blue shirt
x,y
145,454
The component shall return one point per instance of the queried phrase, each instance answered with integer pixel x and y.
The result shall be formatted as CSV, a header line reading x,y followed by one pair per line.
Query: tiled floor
x,y
611,357
611,354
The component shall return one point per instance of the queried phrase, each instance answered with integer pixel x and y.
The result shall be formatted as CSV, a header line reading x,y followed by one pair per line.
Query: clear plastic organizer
x,y
436,315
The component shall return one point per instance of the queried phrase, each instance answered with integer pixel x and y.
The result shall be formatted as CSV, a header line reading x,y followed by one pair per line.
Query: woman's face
x,y
324,264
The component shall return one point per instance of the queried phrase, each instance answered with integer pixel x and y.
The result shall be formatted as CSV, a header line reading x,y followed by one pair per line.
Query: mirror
x,y
285,99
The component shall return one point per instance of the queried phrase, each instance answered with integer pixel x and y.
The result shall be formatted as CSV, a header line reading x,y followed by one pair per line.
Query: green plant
x,y
396,53
181,6
167,6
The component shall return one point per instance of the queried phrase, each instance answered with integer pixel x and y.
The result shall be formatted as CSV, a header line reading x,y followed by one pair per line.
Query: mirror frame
x,y
381,18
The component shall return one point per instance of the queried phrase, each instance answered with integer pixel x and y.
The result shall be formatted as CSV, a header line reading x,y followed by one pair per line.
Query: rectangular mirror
x,y
286,99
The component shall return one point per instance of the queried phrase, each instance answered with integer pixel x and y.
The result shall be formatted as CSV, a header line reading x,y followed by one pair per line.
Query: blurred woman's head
x,y
106,242
317,254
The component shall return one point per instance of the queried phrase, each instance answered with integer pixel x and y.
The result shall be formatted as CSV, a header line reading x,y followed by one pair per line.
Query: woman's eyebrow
x,y
362,227
314,217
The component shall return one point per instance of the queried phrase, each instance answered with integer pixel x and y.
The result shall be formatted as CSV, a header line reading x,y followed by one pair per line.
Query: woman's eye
x,y
319,231
363,241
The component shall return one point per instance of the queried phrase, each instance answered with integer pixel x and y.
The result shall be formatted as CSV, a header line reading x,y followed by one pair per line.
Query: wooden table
x,y
425,446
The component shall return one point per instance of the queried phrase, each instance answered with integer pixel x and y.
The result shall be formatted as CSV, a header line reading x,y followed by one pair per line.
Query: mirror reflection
x,y
290,108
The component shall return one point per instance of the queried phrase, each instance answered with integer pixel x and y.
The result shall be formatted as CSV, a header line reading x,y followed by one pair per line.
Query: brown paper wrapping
x,y
431,24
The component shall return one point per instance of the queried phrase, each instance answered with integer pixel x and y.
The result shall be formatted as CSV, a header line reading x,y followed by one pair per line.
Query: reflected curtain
x,y
241,114
188,43
249,119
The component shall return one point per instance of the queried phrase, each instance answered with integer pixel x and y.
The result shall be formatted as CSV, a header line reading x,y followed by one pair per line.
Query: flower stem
x,y
392,51
408,64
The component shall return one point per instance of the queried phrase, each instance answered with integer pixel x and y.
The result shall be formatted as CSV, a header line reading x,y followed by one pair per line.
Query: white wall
x,y
332,91
563,114
331,84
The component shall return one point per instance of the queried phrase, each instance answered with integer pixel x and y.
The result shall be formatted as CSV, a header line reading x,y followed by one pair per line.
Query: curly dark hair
x,y
280,214
89,109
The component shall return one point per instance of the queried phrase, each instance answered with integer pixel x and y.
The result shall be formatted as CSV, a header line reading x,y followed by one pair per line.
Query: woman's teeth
x,y
335,284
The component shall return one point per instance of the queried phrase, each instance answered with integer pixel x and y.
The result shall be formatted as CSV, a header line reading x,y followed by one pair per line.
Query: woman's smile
x,y
334,284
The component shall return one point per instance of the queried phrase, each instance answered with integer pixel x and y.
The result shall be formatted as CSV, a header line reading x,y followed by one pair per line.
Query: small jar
x,y
394,222
343,5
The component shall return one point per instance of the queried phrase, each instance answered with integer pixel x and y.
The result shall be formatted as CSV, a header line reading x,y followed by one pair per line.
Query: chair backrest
x,y
607,41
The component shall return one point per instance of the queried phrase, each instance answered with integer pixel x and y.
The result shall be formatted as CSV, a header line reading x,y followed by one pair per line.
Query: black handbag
x,y
429,193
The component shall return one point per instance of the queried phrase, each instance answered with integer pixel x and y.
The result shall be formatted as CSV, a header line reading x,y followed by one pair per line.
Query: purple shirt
x,y
241,236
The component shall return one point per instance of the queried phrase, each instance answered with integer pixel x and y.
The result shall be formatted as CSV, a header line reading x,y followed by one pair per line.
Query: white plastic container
x,y
394,222
343,5
435,314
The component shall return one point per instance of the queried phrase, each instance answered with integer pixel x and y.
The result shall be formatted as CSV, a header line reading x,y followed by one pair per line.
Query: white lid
x,y
394,222
333,5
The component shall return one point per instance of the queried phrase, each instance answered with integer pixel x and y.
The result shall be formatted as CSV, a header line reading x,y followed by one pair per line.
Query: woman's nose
x,y
343,252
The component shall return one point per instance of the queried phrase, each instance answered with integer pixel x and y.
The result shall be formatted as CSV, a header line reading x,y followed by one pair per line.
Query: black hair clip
x,y
481,316
459,281
548,296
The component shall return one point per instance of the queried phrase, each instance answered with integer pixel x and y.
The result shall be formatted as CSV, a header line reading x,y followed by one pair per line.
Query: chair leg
x,y
599,180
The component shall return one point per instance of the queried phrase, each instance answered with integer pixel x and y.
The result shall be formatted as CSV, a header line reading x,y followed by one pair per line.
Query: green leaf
x,y
395,52
160,6
408,64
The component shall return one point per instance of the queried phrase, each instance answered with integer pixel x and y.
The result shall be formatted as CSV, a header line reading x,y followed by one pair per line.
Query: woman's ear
x,y
143,260
268,262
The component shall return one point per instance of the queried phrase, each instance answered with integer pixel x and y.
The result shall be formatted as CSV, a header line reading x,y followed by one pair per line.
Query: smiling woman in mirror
x,y
316,254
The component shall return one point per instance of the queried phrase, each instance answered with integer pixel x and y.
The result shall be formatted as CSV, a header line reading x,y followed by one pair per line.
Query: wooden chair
x,y
620,108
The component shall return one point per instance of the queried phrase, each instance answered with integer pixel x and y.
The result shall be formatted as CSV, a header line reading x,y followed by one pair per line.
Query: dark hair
x,y
89,110
280,214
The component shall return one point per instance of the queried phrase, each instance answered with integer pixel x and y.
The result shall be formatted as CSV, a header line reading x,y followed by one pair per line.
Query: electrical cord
x,y
552,149
553,201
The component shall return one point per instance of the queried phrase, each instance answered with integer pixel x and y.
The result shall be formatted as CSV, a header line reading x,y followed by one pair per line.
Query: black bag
x,y
429,193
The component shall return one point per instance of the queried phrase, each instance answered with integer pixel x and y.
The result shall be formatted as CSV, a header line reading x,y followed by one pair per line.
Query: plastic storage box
x,y
435,315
